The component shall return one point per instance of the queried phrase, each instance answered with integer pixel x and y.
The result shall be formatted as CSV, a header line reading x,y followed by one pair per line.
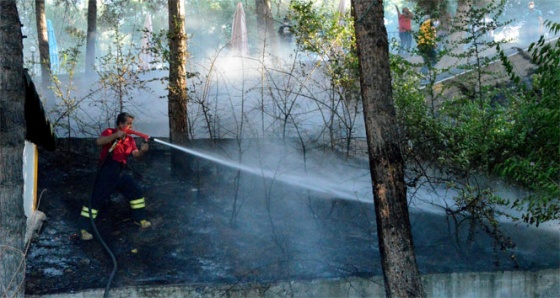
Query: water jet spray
x,y
292,179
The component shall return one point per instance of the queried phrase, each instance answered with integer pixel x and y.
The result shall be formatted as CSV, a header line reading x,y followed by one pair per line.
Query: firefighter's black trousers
x,y
112,176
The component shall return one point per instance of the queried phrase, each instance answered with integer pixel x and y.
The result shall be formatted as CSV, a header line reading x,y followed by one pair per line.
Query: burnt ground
x,y
204,231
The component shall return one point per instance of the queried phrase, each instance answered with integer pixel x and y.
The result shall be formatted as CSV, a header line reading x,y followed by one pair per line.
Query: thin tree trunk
x,y
177,97
12,137
265,26
91,35
459,20
42,36
398,259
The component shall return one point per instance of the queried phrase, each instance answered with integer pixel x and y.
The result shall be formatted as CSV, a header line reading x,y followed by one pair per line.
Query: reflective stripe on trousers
x,y
85,212
138,203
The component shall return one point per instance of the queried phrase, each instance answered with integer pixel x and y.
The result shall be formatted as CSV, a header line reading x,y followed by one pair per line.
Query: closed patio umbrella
x,y
145,57
239,42
53,48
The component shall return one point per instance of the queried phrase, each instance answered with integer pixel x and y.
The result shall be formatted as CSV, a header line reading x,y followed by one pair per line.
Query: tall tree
x,y
91,35
12,137
265,25
398,259
177,97
43,39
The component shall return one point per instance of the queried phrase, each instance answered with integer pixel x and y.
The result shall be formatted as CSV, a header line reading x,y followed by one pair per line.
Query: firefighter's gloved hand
x,y
144,147
120,134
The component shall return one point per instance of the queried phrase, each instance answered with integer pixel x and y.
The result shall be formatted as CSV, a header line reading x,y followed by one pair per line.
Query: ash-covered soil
x,y
212,226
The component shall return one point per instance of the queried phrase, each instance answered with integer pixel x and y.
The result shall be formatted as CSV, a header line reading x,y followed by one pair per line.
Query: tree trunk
x,y
91,35
43,42
265,26
12,137
177,97
398,260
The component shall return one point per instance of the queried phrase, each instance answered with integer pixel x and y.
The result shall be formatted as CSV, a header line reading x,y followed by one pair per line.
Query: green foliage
x,y
533,158
330,36
64,88
119,76
470,39
455,145
455,142
65,85
412,111
462,133
511,131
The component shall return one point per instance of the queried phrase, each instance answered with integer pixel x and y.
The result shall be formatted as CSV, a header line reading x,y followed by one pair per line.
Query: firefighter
x,y
117,146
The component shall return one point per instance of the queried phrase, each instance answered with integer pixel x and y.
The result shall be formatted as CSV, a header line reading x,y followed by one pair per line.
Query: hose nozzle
x,y
144,136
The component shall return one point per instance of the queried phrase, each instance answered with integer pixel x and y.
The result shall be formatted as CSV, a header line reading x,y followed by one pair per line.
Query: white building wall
x,y
30,162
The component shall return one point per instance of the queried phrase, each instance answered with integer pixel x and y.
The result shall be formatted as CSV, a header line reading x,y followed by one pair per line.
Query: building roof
x,y
39,128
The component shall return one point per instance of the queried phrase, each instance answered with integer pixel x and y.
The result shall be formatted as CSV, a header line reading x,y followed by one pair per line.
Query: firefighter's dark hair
x,y
121,118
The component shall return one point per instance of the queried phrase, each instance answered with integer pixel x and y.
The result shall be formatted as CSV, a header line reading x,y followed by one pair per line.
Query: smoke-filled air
x,y
274,95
